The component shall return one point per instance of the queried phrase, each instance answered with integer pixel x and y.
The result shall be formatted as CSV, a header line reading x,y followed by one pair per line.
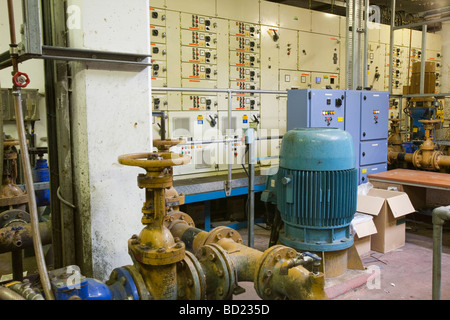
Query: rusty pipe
x,y
399,156
245,259
299,284
15,238
195,238
421,158
264,269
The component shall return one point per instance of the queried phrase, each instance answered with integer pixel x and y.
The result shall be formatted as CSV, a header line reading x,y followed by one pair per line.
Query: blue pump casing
x,y
41,174
68,283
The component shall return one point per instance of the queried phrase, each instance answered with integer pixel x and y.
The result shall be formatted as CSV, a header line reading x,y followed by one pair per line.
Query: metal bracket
x,y
31,46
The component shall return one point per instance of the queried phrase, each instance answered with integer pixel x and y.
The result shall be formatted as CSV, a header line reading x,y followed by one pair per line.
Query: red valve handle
x,y
21,79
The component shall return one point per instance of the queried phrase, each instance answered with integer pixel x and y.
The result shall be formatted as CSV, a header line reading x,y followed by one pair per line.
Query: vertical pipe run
x,y
229,154
391,45
439,216
355,52
423,59
251,186
366,43
437,247
347,47
40,259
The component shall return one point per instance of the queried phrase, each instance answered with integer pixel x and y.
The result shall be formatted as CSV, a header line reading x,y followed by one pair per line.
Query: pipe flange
x,y
435,159
175,201
142,290
128,284
158,180
417,158
14,216
191,279
156,257
221,275
272,257
174,217
165,145
221,232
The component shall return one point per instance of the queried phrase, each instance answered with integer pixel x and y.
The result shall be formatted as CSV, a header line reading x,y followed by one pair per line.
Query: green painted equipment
x,y
316,189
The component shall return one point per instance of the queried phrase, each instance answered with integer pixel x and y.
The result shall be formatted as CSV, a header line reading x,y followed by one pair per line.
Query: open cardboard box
x,y
363,228
389,209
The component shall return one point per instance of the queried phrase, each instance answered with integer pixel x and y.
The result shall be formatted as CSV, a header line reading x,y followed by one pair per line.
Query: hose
x,y
34,216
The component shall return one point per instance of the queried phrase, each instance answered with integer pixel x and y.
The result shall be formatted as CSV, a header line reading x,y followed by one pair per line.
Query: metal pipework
x,y
8,294
18,238
19,81
277,272
154,252
427,157
440,215
395,139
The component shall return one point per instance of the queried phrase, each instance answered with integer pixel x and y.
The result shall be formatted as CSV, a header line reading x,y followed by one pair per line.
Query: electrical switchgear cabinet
x,y
364,114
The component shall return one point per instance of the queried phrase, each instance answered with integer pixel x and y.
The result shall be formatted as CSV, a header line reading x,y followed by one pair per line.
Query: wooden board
x,y
413,177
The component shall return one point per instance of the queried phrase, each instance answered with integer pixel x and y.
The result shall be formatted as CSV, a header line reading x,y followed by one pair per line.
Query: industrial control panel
x,y
310,108
364,114
260,45
194,127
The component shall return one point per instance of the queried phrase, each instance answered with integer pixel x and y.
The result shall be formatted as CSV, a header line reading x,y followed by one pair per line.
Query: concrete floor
x,y
402,274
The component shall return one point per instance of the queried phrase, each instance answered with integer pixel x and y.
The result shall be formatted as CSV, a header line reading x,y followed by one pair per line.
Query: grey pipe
x,y
440,215
366,43
251,185
8,294
218,90
391,45
229,155
423,59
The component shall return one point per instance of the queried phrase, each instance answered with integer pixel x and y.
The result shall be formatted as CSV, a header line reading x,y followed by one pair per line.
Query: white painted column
x,y
111,116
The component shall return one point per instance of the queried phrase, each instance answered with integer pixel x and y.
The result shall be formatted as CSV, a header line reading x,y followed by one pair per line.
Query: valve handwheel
x,y
21,79
154,160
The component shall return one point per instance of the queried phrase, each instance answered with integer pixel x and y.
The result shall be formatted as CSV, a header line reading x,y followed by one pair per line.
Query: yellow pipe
x,y
245,259
262,268
299,284
443,161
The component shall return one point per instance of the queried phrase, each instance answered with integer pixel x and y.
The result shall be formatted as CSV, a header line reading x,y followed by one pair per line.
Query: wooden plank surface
x,y
417,177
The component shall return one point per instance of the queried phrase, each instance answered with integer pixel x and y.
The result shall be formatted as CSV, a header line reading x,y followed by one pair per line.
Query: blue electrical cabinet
x,y
363,114
316,108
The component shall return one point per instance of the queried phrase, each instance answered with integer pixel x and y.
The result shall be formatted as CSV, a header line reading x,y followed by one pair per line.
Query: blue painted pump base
x,y
304,238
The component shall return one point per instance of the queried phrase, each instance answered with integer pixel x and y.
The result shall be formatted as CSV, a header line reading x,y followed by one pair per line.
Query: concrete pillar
x,y
111,116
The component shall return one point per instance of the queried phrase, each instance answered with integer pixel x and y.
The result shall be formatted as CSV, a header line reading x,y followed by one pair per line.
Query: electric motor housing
x,y
316,189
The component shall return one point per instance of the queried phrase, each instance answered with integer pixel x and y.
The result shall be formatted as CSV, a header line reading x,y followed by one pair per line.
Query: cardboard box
x,y
363,228
388,209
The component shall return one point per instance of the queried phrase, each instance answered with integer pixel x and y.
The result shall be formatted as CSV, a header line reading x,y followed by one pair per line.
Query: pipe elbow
x,y
440,215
